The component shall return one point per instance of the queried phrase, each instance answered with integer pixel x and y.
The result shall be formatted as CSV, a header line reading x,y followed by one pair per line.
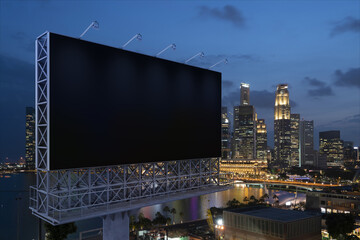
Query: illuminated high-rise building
x,y
244,144
244,94
331,145
261,139
30,138
294,125
225,134
244,139
307,153
349,155
282,126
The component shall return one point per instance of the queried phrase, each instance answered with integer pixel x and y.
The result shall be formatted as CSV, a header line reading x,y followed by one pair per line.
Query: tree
x,y
143,223
339,225
233,203
166,210
275,197
59,232
181,214
265,196
209,219
283,176
173,212
159,219
132,224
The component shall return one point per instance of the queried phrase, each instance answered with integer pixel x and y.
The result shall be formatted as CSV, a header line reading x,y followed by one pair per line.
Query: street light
x,y
94,25
137,36
201,54
173,46
224,60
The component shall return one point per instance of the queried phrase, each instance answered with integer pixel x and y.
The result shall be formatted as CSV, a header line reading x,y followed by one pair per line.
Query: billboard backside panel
x,y
109,106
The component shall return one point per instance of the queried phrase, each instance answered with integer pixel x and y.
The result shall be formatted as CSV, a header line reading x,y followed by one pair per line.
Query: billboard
x,y
109,106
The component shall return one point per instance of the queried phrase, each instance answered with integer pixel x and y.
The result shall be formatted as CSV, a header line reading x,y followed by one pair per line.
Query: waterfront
x,y
16,218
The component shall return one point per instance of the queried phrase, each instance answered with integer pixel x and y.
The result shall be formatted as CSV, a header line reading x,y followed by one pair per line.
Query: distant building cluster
x,y
293,138
30,138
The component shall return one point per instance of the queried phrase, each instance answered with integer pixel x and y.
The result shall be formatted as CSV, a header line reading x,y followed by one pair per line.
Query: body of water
x,y
17,222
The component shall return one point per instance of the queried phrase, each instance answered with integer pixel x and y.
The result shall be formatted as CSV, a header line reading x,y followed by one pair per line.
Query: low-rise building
x,y
327,202
244,167
266,223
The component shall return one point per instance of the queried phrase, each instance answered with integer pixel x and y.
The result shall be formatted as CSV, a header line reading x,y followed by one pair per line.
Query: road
x,y
310,184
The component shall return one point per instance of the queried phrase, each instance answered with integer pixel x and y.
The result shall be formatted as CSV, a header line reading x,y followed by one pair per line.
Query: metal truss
x,y
67,195
42,88
62,196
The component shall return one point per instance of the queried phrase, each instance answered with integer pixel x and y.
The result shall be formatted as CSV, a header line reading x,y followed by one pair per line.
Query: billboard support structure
x,y
63,196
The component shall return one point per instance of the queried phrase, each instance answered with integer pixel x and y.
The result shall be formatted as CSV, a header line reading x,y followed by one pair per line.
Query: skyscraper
x,y
225,134
307,154
282,126
349,152
261,139
244,140
244,132
30,138
331,145
244,94
294,125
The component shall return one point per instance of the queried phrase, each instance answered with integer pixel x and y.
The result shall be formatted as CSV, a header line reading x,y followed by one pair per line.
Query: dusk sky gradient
x,y
314,46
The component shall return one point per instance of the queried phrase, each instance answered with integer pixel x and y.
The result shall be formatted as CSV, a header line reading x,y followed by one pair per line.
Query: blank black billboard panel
x,y
110,106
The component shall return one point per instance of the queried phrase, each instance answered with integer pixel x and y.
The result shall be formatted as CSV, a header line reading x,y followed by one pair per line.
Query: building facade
x,y
331,145
244,94
307,154
350,153
295,132
282,126
244,132
30,138
225,134
244,167
328,203
261,139
265,223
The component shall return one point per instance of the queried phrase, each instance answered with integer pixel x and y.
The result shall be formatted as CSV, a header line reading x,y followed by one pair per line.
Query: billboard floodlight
x,y
224,60
200,54
137,36
94,25
173,46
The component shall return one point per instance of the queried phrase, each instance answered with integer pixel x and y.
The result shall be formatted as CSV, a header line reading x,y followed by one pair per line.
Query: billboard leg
x,y
116,226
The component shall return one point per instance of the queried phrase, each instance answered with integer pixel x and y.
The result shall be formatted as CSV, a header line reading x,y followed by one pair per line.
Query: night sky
x,y
314,46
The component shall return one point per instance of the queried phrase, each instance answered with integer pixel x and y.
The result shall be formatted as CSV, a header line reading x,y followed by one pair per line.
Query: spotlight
x,y
94,25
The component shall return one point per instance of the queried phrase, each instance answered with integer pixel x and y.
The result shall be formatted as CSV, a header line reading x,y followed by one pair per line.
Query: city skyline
x,y
316,55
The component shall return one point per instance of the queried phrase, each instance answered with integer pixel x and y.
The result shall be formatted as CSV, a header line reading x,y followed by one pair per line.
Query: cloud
x,y
314,82
348,120
260,99
211,59
348,24
320,89
24,41
231,99
351,78
349,127
228,13
227,84
321,92
18,36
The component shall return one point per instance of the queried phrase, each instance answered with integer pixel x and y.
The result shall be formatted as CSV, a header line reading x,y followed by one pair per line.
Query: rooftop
x,y
275,214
